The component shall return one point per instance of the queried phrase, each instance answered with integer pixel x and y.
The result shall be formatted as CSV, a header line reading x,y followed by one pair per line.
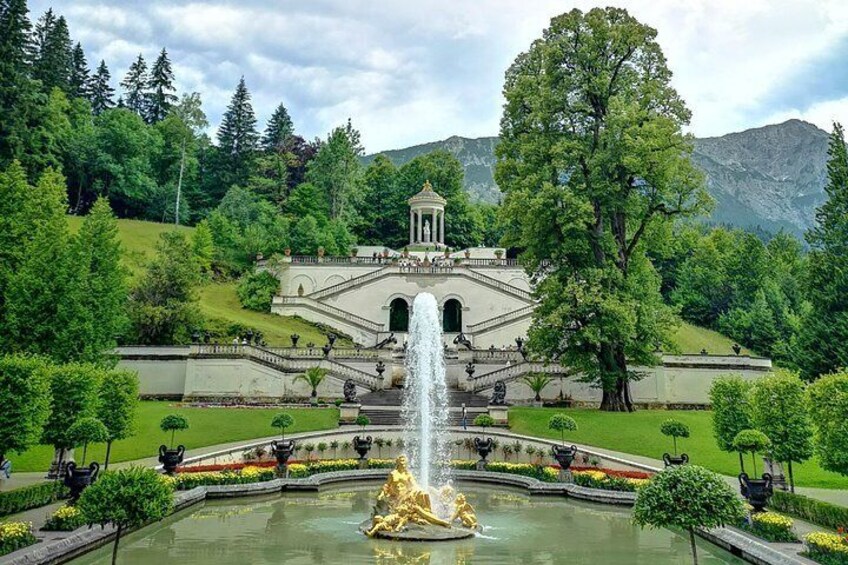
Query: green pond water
x,y
312,528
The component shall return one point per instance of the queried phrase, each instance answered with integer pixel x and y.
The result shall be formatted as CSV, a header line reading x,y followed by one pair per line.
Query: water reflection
x,y
317,528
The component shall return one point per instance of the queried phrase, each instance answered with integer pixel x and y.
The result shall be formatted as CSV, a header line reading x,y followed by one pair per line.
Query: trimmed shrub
x,y
251,474
816,511
33,496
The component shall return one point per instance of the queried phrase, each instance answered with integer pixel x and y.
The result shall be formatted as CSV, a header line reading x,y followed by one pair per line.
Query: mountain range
x,y
771,177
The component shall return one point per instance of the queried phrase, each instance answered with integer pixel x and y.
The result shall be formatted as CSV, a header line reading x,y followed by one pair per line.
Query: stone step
x,y
394,397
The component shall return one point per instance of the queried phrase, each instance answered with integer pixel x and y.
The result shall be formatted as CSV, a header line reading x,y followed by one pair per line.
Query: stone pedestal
x,y
775,469
349,412
58,471
499,413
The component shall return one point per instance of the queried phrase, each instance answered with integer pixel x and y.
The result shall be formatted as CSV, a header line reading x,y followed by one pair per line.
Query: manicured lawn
x,y
220,301
692,339
209,426
639,433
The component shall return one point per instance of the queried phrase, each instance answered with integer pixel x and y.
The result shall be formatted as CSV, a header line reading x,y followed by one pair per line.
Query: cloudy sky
x,y
410,72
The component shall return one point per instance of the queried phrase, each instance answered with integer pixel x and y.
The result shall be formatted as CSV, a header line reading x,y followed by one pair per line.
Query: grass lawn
x,y
639,433
208,426
692,339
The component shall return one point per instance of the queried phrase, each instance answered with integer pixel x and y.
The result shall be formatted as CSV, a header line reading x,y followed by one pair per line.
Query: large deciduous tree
x,y
25,396
828,401
591,157
729,398
118,404
824,331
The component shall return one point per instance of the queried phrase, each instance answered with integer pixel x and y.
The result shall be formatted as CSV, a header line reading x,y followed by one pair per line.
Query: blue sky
x,y
411,72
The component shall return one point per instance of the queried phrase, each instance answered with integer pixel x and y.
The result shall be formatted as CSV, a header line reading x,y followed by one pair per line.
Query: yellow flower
x,y
65,512
831,543
771,519
596,475
13,530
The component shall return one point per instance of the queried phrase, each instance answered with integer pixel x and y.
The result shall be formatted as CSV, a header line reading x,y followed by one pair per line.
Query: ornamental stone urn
x,y
673,460
78,479
484,447
564,455
756,491
171,458
362,445
283,451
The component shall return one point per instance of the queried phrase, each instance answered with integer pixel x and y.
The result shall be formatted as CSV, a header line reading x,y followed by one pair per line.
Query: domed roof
x,y
427,196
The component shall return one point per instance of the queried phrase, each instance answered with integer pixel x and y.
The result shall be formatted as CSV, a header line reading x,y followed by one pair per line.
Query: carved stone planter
x,y
78,479
484,447
673,460
362,445
756,491
171,458
283,451
564,456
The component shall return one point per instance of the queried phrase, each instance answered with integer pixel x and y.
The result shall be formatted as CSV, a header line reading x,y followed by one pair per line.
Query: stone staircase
x,y
383,407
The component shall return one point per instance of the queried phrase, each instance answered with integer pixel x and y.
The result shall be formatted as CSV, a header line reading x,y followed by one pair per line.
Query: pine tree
x,y
237,138
824,331
54,57
80,80
43,27
135,86
100,91
161,98
15,38
278,130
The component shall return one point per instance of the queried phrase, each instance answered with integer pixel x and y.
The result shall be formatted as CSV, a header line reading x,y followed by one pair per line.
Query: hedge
x,y
33,496
816,511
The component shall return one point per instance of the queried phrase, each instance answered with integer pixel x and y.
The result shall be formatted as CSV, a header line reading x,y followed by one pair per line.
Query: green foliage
x,y
282,421
828,403
173,422
163,306
824,329
484,421
256,290
130,497
362,420
187,481
779,410
337,174
674,428
25,398
118,404
85,431
589,159
562,423
66,518
278,130
313,377
73,388
687,497
203,246
537,383
824,514
751,441
32,496
729,400
238,140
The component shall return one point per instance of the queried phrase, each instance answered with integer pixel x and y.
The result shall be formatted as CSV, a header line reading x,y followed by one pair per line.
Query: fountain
x,y
418,501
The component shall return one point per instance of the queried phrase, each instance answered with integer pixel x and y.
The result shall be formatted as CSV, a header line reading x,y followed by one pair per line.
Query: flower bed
x,y
826,548
187,481
595,478
14,536
33,496
66,519
771,526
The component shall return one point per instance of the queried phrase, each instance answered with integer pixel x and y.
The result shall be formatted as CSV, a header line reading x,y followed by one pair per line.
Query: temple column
x,y
442,227
420,223
411,227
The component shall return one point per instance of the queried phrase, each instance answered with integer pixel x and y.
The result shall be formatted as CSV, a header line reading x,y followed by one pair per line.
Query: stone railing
x,y
486,279
309,302
486,325
317,353
514,371
350,283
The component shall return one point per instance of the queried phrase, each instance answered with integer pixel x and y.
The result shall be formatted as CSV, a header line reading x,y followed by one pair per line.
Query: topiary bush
x,y
753,442
674,429
173,423
561,423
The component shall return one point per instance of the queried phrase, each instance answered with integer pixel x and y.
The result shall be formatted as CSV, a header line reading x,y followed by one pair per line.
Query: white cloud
x,y
411,72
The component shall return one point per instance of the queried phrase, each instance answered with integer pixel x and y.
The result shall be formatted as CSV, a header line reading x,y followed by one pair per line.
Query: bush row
x,y
812,510
33,496
187,481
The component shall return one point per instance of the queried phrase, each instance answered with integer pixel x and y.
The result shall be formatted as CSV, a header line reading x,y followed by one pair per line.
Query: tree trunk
x,y
108,451
616,386
115,547
694,548
791,478
741,463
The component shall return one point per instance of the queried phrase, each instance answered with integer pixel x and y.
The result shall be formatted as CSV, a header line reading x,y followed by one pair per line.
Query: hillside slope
x,y
772,176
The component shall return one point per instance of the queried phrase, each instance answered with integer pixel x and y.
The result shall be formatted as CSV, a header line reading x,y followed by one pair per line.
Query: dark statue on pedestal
x,y
350,391
498,394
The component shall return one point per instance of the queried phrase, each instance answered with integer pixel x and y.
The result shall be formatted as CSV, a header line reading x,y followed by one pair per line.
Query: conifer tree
x,y
135,86
15,38
100,91
278,130
824,330
237,138
80,75
43,28
161,97
54,56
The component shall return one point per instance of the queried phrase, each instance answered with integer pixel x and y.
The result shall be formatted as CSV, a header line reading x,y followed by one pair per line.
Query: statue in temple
x,y
426,231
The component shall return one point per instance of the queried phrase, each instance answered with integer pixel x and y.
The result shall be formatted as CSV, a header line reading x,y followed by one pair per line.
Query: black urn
x,y
283,451
672,460
564,455
170,458
484,447
77,479
756,491
362,445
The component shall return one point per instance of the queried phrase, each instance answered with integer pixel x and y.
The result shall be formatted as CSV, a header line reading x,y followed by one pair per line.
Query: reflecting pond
x,y
312,528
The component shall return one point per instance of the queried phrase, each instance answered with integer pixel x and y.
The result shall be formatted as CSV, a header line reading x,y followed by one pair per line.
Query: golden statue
x,y
401,501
